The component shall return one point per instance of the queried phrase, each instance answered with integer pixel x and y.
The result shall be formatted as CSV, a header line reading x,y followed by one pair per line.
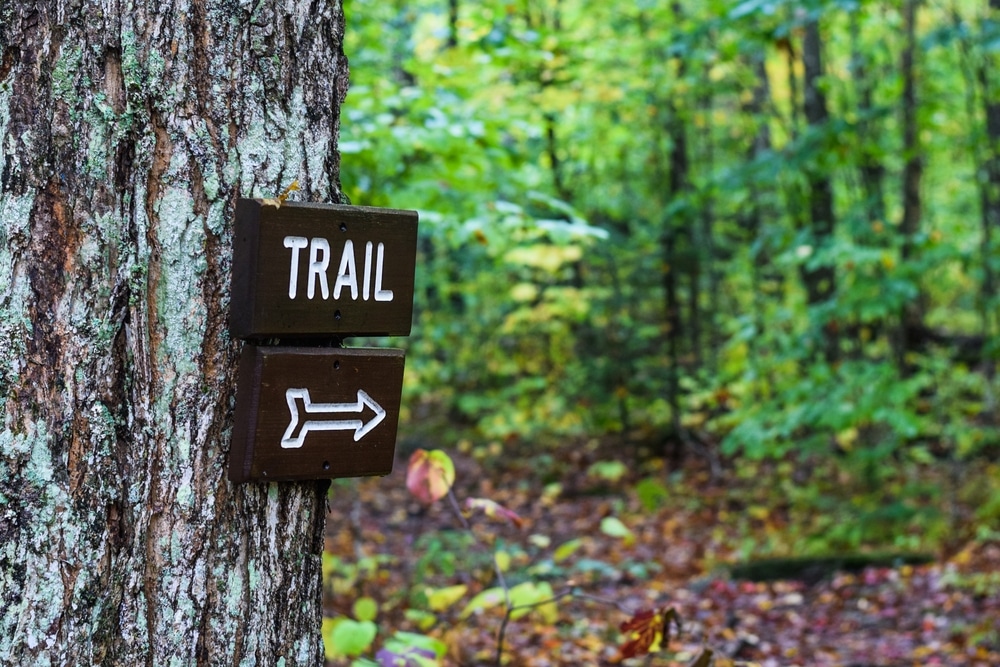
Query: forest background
x,y
735,258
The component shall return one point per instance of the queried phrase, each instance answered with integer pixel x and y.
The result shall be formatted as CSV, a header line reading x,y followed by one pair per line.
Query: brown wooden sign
x,y
315,413
321,270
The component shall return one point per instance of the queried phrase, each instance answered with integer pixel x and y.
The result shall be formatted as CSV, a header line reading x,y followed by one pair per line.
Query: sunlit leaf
x,y
440,599
491,597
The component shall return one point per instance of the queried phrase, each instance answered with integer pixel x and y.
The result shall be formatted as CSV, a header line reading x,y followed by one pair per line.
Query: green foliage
x,y
652,493
442,553
578,278
347,637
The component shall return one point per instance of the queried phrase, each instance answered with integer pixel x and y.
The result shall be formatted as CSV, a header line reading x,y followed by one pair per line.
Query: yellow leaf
x,y
441,598
280,199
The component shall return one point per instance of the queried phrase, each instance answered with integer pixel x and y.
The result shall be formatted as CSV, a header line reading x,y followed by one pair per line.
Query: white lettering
x,y
296,243
347,274
317,267
381,294
368,271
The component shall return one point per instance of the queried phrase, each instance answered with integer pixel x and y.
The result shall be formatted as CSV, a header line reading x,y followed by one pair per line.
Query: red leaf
x,y
647,631
429,475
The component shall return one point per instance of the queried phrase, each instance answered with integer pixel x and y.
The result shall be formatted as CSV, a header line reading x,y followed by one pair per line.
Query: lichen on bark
x,y
128,132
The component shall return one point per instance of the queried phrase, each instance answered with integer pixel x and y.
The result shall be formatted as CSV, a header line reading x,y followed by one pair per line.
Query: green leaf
x,y
566,549
531,593
422,619
491,597
365,609
611,471
652,494
613,527
346,637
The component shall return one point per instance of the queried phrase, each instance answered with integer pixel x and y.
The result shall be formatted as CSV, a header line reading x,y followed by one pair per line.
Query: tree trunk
x,y
677,189
819,281
129,130
705,251
871,169
452,23
911,317
990,203
752,215
867,231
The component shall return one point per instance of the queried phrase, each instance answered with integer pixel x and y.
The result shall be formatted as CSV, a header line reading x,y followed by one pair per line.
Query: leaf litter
x,y
650,580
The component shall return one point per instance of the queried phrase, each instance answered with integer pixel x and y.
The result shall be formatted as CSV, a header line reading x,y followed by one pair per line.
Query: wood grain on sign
x,y
321,270
315,413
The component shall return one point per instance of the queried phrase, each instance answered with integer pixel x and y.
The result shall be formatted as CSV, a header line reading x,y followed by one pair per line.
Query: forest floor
x,y
668,546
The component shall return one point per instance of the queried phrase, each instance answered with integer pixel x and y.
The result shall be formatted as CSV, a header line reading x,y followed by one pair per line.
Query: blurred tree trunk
x,y
452,23
402,24
819,280
677,190
871,169
911,317
870,230
706,250
763,276
989,181
129,130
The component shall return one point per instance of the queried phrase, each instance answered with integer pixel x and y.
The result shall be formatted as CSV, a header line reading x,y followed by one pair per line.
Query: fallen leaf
x,y
647,632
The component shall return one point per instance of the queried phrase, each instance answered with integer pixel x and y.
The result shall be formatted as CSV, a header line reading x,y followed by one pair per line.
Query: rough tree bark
x,y
129,129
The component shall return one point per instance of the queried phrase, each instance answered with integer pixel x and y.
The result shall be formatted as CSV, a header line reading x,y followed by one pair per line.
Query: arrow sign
x,y
280,432
293,440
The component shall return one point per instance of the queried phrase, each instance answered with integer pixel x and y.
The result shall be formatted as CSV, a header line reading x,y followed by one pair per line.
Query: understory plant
x,y
430,479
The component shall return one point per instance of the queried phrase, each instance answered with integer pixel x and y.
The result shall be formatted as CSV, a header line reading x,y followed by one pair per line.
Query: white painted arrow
x,y
293,440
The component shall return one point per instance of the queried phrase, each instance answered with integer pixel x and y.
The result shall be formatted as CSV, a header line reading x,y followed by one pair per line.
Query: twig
x,y
509,608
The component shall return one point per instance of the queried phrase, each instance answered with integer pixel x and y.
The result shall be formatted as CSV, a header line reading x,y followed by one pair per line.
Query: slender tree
x,y
452,23
988,71
678,185
819,280
752,215
129,130
911,317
